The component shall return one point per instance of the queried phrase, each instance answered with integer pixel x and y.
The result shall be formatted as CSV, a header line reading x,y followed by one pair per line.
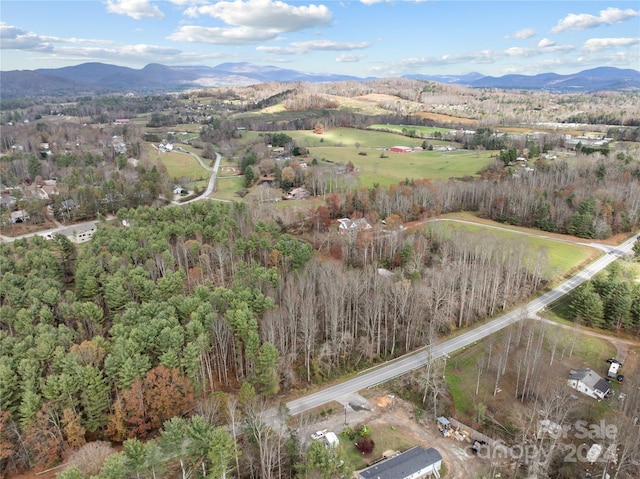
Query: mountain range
x,y
100,78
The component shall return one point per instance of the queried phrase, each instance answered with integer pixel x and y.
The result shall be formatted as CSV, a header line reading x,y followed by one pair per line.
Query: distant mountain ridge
x,y
100,78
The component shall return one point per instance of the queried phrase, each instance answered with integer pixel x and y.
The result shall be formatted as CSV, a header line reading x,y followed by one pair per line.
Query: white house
x,y
347,225
20,216
416,463
586,381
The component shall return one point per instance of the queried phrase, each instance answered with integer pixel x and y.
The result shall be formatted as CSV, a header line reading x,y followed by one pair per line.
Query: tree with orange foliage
x,y
161,395
44,438
72,429
167,394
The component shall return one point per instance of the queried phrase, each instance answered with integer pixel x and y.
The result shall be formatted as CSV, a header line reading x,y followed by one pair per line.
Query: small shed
x,y
443,423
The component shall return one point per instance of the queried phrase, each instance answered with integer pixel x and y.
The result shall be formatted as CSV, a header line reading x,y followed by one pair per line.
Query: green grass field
x,y
227,187
179,165
397,167
563,258
424,131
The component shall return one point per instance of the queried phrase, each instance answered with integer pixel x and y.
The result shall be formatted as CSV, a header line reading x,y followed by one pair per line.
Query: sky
x,y
363,38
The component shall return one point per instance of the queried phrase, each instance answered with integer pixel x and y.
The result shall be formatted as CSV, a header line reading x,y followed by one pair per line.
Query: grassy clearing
x,y
462,368
227,187
424,131
179,165
386,438
563,258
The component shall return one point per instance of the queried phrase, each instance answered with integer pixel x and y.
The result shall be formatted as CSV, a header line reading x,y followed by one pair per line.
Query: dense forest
x,y
186,301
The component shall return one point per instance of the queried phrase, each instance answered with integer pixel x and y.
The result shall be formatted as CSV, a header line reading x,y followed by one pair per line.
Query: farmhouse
x,y
588,382
415,463
401,149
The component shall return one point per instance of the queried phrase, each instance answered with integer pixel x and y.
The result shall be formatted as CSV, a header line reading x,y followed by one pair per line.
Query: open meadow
x,y
564,257
386,168
179,165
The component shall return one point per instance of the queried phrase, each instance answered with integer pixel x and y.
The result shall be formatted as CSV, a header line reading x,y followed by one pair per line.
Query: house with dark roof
x,y
416,463
587,382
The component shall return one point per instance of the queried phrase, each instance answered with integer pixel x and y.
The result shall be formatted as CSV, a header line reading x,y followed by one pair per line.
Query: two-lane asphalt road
x,y
413,361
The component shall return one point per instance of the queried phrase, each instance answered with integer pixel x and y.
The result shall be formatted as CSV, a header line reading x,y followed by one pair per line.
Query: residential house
x,y
20,216
347,225
586,381
416,463
8,202
297,194
48,190
79,233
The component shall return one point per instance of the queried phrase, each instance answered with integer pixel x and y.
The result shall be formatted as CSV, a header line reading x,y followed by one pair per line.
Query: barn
x,y
401,149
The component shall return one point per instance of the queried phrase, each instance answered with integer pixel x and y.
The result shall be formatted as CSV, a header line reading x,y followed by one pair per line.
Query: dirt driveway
x,y
384,411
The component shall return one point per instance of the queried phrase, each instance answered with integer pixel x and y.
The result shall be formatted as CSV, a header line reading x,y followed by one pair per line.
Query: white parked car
x,y
317,435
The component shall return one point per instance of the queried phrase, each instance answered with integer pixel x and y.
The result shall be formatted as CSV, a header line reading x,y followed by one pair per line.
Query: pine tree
x,y
94,399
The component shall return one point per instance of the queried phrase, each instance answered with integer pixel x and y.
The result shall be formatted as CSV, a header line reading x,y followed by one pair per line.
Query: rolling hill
x,y
100,78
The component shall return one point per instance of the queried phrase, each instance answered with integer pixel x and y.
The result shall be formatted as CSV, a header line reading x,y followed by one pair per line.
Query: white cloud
x,y
300,48
265,14
136,9
278,50
583,21
373,2
521,52
546,43
329,45
523,34
597,44
349,58
15,38
222,36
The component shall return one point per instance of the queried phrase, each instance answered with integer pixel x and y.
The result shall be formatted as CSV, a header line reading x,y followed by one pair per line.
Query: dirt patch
x,y
392,412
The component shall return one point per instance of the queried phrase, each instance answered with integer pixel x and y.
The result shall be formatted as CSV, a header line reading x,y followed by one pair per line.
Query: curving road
x,y
413,361
212,179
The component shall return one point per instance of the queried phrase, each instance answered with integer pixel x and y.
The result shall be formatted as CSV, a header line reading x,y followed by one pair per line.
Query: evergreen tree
x,y
587,305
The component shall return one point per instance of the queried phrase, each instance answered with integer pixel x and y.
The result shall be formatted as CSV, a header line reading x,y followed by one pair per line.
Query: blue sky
x,y
363,38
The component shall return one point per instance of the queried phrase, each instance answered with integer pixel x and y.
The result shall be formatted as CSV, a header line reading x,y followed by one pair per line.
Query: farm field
x,y
396,167
423,131
353,137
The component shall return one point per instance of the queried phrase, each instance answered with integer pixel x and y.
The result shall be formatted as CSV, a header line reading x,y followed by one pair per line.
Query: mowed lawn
x,y
563,257
227,187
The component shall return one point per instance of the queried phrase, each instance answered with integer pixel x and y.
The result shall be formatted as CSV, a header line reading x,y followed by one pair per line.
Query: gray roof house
x,y
415,463
587,382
